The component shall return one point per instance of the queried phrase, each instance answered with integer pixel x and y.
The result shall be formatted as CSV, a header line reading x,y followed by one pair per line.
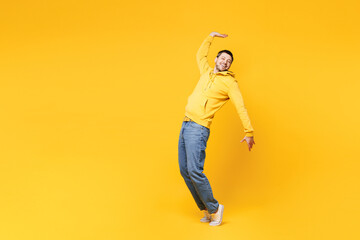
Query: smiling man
x,y
216,86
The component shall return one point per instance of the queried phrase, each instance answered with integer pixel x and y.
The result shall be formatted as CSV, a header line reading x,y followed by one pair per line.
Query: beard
x,y
220,68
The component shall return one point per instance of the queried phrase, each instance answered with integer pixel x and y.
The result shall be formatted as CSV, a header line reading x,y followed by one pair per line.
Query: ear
x,y
215,59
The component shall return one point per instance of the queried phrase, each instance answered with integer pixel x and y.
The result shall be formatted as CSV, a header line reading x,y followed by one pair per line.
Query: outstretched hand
x,y
216,34
249,140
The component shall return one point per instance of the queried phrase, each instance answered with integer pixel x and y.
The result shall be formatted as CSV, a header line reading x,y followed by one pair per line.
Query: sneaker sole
x,y
221,209
205,221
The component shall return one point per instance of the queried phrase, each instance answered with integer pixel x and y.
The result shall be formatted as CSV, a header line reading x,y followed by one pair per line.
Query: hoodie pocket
x,y
197,105
204,103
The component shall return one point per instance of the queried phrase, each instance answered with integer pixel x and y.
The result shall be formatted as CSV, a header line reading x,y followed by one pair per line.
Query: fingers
x,y
250,144
216,34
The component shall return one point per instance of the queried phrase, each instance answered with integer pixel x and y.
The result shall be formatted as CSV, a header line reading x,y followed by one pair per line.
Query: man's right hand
x,y
216,34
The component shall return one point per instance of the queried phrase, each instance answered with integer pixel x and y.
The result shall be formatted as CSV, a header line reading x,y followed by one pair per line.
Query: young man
x,y
216,86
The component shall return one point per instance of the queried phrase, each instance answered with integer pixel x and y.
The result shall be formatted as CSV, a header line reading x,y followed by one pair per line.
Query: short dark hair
x,y
228,52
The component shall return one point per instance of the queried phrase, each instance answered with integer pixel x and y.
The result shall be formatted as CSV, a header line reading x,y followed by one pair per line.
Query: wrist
x,y
250,134
213,34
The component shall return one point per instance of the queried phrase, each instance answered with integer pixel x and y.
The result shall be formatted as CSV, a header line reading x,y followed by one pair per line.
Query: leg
x,y
184,169
196,137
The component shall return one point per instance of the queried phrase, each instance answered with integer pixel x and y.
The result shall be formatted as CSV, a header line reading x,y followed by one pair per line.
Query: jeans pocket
x,y
205,132
196,125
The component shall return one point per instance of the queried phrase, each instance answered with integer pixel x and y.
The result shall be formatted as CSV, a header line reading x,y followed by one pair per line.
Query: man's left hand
x,y
249,140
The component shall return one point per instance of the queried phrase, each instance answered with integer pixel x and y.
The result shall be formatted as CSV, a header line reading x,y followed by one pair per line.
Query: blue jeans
x,y
192,145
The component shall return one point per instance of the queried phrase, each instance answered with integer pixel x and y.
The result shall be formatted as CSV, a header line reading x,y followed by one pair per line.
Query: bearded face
x,y
223,62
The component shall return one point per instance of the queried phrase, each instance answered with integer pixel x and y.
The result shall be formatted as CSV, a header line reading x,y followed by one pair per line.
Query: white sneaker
x,y
216,218
207,217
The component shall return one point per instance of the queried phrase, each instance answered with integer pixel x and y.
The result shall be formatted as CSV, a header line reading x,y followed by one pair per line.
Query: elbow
x,y
198,57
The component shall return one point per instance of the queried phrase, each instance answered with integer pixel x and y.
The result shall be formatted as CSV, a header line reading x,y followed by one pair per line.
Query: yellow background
x,y
92,96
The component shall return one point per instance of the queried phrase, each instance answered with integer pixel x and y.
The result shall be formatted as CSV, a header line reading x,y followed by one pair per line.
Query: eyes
x,y
224,59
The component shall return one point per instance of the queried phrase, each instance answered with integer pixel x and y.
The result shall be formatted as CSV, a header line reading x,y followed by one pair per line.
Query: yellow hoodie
x,y
212,91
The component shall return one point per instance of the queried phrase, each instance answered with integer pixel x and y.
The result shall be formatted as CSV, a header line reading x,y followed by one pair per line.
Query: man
x,y
215,87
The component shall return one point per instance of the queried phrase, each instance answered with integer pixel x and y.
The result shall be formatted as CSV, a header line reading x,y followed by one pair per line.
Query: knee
x,y
194,174
184,173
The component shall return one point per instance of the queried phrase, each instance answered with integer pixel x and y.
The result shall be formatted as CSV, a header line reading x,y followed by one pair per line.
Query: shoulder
x,y
229,80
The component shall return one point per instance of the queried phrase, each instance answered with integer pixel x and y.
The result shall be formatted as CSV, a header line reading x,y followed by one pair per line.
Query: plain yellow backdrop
x,y
92,96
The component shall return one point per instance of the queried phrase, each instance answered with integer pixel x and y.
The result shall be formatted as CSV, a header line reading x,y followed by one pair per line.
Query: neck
x,y
216,70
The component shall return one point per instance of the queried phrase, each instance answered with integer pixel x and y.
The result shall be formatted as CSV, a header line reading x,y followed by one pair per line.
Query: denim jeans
x,y
192,144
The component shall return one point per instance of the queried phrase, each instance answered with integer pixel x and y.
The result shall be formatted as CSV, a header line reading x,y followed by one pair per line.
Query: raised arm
x,y
201,56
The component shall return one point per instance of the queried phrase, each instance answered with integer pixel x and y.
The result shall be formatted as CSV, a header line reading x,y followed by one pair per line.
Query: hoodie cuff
x,y
249,134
